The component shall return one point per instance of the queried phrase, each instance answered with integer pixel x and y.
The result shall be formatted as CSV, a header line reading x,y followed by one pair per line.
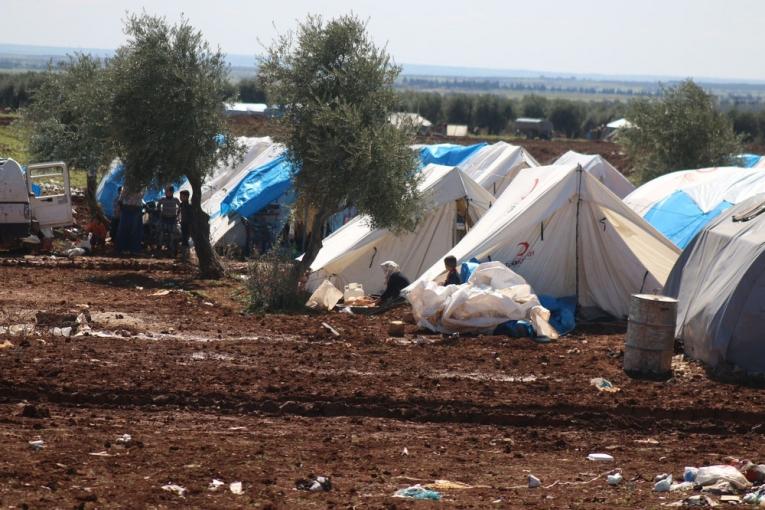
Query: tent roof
x,y
619,124
494,166
439,185
599,167
680,204
532,227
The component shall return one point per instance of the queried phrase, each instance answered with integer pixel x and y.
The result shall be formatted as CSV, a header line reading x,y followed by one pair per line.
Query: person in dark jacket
x,y
452,276
395,282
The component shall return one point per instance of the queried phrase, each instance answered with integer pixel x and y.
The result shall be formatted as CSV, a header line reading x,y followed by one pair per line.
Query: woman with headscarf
x,y
395,282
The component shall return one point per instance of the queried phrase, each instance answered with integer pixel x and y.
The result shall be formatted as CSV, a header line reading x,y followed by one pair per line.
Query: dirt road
x,y
207,392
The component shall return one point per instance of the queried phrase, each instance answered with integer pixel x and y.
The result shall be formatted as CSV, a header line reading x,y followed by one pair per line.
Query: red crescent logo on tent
x,y
533,187
524,247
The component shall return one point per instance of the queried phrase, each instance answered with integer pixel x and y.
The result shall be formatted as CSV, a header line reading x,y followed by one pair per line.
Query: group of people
x,y
395,282
128,227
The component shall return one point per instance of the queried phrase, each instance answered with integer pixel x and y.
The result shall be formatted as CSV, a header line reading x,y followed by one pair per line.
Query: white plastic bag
x,y
326,296
710,475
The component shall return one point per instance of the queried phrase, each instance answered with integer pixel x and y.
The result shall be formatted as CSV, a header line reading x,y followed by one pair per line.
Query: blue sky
x,y
696,38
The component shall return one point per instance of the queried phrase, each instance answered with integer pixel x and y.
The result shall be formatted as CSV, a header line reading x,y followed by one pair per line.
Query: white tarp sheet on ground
x,y
568,235
493,295
601,169
495,166
354,252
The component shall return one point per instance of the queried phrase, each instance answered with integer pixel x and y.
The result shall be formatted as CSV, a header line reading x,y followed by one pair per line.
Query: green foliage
x,y
16,89
336,88
567,117
13,140
534,106
250,91
68,118
169,87
272,283
682,130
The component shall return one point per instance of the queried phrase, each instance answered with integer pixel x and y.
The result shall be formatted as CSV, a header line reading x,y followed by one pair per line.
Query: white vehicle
x,y
34,201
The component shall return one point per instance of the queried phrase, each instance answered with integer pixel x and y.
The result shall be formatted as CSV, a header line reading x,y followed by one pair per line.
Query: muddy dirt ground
x,y
207,391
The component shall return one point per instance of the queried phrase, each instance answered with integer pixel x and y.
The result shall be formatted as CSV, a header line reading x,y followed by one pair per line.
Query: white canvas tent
x,y
568,235
354,252
228,228
496,165
597,166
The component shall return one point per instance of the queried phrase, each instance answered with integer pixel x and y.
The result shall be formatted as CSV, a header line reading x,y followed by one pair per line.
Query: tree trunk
x,y
314,240
209,265
90,197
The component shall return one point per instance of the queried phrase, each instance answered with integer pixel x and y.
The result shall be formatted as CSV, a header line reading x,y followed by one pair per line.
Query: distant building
x,y
456,130
248,110
613,127
533,128
420,123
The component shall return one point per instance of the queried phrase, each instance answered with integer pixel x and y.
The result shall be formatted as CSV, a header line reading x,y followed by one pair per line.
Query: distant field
x,y
13,145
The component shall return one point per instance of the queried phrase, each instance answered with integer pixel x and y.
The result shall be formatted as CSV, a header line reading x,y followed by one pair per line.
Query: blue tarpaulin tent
x,y
447,154
107,189
748,160
262,186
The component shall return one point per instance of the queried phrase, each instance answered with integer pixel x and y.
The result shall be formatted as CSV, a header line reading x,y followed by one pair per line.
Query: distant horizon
x,y
409,68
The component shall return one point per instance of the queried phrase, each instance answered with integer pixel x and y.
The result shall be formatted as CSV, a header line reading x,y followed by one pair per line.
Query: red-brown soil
x,y
207,391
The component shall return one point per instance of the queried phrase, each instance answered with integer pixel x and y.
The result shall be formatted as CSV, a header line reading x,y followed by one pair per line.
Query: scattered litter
x,y
698,500
208,303
681,487
325,296
396,328
175,489
689,475
101,454
65,332
417,492
721,487
755,473
124,439
615,479
37,444
138,287
314,483
21,329
405,451
663,485
6,345
163,292
215,484
649,440
734,500
236,488
445,485
756,497
347,310
330,328
710,475
604,385
34,411
600,457
534,482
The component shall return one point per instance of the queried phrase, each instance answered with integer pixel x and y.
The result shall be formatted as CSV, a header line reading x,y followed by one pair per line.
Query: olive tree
x,y
336,90
169,88
682,129
68,119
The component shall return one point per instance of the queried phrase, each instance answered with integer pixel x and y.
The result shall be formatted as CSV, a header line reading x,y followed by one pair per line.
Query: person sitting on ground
x,y
395,282
452,276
